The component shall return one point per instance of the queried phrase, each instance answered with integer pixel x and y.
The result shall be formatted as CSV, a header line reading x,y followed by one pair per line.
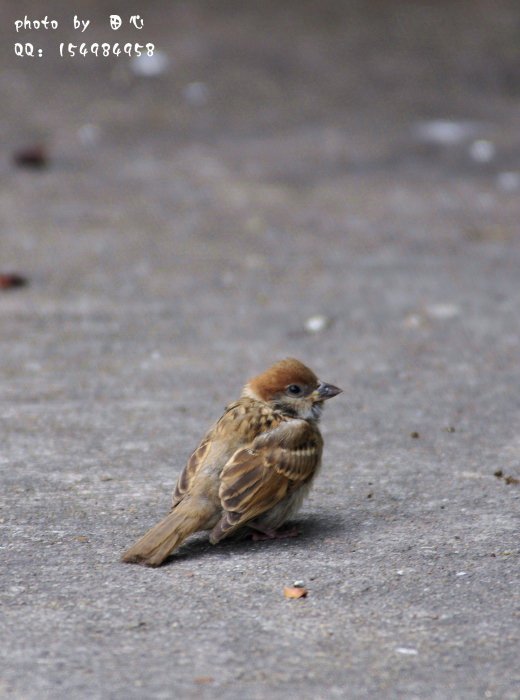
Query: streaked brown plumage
x,y
254,466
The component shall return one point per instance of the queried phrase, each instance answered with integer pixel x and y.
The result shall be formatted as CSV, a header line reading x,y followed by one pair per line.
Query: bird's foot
x,y
264,533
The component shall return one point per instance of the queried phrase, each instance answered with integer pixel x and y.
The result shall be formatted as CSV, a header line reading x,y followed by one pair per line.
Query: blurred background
x,y
263,143
333,180
270,163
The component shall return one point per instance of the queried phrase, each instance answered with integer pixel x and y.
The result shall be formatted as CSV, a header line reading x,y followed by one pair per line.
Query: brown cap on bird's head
x,y
284,375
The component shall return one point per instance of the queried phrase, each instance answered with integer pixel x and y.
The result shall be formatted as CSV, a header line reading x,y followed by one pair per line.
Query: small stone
x,y
150,66
445,132
9,280
414,320
317,323
482,151
509,181
294,592
443,311
32,157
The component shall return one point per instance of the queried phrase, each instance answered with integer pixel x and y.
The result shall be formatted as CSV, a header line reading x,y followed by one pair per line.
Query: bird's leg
x,y
265,533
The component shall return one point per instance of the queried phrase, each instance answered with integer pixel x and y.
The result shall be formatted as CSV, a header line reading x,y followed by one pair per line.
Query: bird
x,y
252,469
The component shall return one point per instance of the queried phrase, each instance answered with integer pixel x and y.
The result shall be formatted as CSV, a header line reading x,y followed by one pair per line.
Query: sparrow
x,y
252,469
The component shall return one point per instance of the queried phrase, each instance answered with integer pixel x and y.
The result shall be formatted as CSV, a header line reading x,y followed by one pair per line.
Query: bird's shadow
x,y
311,529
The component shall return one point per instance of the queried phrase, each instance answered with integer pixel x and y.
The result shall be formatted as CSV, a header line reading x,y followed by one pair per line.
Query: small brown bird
x,y
253,468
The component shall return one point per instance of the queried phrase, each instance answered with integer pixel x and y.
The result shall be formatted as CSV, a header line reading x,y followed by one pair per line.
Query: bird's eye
x,y
294,390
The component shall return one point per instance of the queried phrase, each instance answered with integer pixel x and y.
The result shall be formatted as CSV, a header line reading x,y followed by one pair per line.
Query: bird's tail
x,y
153,548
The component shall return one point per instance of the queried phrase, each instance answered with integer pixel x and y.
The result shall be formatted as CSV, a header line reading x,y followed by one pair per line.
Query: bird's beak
x,y
326,391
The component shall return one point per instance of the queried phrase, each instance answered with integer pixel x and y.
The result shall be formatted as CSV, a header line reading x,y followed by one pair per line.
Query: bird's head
x,y
291,388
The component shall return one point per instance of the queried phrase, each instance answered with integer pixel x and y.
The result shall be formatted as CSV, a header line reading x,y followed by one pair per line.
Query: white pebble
x,y
316,324
482,151
149,66
443,310
444,131
414,320
509,182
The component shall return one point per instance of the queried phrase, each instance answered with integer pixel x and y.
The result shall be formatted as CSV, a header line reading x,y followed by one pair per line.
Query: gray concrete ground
x,y
358,160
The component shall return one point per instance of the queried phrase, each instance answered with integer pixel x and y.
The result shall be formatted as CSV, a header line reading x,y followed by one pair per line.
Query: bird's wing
x,y
190,470
240,423
275,464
